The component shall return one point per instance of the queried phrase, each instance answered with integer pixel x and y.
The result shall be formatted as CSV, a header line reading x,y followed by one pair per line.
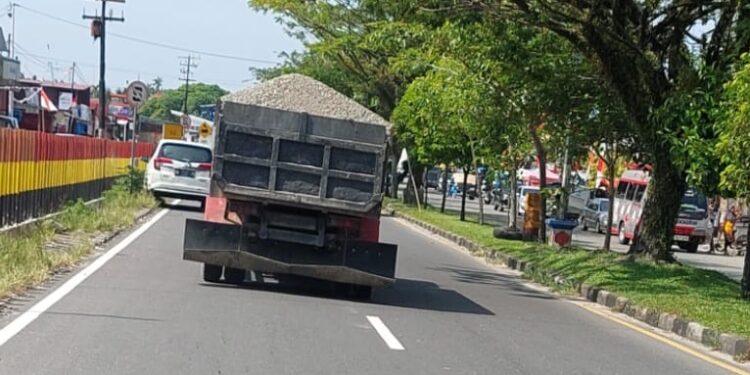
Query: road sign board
x,y
137,93
204,130
171,131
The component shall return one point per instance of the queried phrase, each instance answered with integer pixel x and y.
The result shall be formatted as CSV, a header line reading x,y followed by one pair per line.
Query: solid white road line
x,y
18,324
385,333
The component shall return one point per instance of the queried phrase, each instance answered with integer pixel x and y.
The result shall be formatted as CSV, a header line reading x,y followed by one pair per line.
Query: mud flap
x,y
356,262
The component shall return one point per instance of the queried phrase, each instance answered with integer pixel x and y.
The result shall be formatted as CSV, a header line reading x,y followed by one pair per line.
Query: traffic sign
x,y
172,131
204,130
137,93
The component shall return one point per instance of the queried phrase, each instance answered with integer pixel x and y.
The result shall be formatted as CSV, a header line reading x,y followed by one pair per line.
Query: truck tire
x,y
211,273
354,291
361,292
234,275
691,247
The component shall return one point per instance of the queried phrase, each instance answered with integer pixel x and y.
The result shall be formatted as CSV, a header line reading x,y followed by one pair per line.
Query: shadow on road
x,y
425,295
406,293
507,282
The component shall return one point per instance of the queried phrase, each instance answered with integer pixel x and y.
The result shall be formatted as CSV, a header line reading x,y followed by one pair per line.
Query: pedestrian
x,y
713,216
728,227
453,190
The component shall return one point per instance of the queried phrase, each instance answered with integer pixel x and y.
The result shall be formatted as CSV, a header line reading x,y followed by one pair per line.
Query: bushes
x,y
26,256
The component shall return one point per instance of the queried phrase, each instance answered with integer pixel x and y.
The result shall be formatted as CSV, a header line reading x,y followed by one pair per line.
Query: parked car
x,y
458,177
434,176
580,197
594,215
521,195
180,169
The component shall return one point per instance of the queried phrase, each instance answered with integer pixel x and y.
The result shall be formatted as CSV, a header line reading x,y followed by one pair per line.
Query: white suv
x,y
179,169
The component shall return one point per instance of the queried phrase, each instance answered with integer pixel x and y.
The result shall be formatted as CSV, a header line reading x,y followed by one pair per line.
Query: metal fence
x,y
40,172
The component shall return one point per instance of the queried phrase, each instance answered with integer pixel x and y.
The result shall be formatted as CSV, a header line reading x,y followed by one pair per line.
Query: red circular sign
x,y
562,238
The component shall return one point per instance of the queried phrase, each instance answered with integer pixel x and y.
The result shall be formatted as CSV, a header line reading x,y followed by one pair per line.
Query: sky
x,y
226,27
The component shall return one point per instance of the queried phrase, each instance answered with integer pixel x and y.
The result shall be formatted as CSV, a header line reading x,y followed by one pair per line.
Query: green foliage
x,y
24,258
159,105
687,118
444,114
734,141
356,40
314,65
133,181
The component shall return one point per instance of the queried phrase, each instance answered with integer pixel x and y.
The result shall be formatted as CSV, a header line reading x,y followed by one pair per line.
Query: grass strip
x,y
704,296
26,261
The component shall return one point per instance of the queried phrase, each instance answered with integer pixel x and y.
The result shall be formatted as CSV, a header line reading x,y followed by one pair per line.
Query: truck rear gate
x,y
294,158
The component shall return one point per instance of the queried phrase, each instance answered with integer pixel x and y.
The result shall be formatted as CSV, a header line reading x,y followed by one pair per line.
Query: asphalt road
x,y
728,265
147,312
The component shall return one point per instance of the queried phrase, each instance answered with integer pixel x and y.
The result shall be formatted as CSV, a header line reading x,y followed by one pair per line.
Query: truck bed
x,y
289,158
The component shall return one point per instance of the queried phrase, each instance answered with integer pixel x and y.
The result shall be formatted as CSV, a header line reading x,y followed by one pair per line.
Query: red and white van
x,y
693,226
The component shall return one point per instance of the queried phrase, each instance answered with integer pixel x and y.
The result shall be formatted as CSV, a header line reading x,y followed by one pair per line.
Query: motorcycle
x,y
739,245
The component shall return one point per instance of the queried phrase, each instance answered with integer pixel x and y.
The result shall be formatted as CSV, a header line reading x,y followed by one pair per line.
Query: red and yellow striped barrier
x,y
39,172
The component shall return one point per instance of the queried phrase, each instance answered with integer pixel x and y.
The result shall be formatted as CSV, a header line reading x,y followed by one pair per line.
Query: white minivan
x,y
180,169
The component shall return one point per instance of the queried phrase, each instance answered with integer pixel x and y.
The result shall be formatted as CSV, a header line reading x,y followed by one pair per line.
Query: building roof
x,y
54,84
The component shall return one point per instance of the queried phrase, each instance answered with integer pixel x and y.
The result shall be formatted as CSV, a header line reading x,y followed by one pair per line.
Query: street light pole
x,y
103,108
102,58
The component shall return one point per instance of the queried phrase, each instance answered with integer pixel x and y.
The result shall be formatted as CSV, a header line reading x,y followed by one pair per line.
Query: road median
x,y
700,305
30,255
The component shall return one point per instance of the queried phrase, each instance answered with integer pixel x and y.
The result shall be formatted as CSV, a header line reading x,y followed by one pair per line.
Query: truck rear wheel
x,y
354,291
211,273
234,275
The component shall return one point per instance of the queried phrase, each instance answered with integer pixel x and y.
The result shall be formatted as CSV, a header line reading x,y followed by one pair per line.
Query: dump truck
x,y
296,190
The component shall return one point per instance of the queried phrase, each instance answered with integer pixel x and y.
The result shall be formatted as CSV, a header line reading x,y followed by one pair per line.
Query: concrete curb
x,y
736,346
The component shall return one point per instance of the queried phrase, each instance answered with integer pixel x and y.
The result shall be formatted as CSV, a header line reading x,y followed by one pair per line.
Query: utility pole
x,y
12,36
187,63
102,21
563,209
71,121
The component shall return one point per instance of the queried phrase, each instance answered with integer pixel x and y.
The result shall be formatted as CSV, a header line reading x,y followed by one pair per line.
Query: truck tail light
x,y
158,162
343,222
204,167
369,229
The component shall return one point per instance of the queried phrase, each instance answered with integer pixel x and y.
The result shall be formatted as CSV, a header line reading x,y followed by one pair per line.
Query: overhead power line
x,y
42,60
151,43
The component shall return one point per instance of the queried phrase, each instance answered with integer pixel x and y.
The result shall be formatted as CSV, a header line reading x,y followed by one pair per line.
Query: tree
x,y
156,85
358,38
648,53
734,146
159,106
611,147
443,114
